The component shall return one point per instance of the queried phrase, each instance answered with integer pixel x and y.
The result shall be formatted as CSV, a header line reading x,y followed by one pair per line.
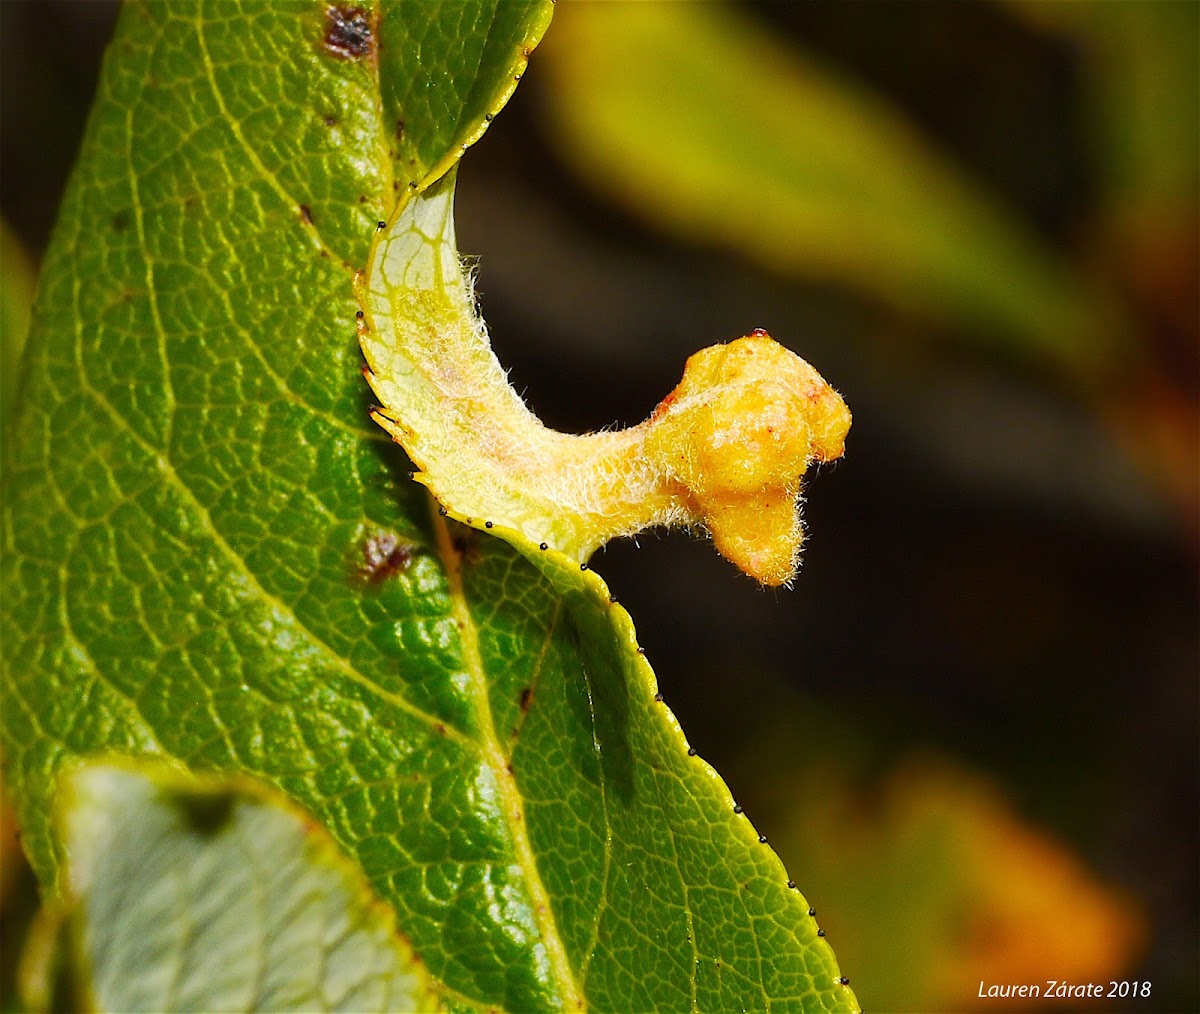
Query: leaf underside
x,y
212,555
238,902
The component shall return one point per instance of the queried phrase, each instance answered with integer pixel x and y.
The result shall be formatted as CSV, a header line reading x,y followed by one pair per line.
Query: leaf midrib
x,y
493,755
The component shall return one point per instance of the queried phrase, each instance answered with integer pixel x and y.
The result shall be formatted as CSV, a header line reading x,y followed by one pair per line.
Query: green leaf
x,y
1140,63
435,117
710,127
212,555
199,894
17,283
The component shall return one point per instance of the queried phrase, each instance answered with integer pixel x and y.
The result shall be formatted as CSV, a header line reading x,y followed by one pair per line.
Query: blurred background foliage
x,y
970,730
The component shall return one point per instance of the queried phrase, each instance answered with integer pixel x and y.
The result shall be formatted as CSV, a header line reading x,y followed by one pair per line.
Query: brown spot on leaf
x,y
306,214
349,32
526,698
466,544
121,221
384,555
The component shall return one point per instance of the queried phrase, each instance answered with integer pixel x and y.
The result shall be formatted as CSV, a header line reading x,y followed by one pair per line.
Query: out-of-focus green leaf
x,y
17,283
707,125
211,554
217,895
1143,64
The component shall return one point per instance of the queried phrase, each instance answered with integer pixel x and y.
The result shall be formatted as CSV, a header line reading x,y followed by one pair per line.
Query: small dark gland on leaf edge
x,y
736,808
791,885
844,980
691,751
658,697
583,566
381,226
812,911
544,546
442,511
488,524
762,839
820,933
349,33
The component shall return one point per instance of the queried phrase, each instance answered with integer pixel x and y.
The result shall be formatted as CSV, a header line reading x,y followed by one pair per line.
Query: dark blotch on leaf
x,y
121,221
306,214
526,698
383,555
349,32
205,813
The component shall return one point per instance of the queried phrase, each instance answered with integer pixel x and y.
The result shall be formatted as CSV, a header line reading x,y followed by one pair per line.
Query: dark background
x,y
1032,619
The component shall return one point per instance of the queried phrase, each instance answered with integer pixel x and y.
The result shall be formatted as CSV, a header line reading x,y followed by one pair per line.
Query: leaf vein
x,y
239,565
